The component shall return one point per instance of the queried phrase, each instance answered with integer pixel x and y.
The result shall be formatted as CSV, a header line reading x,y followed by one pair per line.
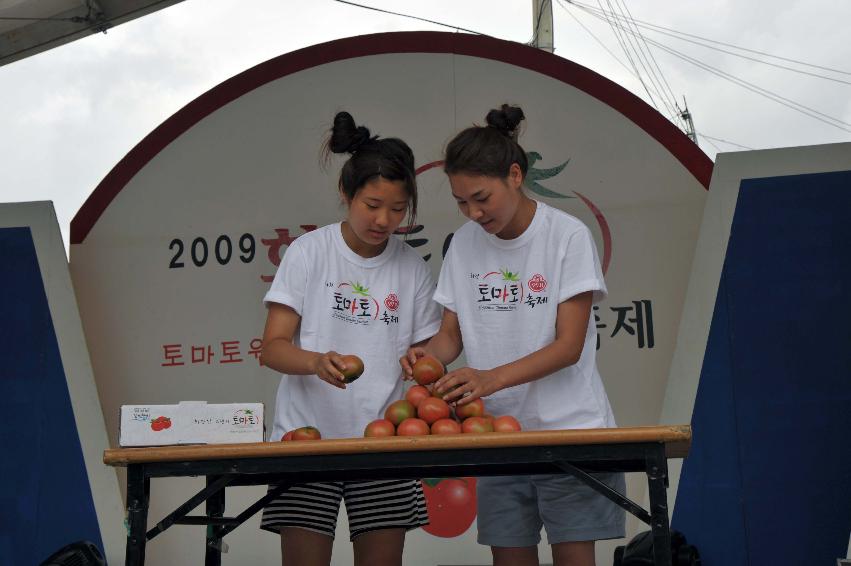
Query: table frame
x,y
375,458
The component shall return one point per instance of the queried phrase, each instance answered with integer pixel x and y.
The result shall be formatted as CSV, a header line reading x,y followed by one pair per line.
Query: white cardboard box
x,y
190,422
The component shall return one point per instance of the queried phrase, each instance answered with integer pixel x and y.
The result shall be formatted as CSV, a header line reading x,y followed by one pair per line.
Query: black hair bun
x,y
506,119
346,136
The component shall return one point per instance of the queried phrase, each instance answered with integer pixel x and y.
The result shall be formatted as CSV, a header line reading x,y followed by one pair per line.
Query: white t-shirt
x,y
374,308
506,294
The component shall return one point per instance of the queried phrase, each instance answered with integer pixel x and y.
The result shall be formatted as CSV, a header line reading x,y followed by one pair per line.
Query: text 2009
x,y
199,251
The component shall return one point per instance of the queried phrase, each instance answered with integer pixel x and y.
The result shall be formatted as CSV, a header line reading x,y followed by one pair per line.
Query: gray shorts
x,y
512,510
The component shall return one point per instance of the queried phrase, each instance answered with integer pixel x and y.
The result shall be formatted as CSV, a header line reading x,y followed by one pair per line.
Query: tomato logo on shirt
x,y
356,303
537,283
392,302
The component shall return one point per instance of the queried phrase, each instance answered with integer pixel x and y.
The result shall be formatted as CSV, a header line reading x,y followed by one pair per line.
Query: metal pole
x,y
542,25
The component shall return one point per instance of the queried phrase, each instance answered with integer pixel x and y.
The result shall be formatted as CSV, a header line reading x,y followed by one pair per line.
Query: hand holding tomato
x,y
329,367
465,385
409,359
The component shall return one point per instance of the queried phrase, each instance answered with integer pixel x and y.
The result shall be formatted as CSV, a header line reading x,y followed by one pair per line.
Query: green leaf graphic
x,y
533,175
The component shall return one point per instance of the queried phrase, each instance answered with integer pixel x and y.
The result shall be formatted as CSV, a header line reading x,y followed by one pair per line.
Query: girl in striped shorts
x,y
353,288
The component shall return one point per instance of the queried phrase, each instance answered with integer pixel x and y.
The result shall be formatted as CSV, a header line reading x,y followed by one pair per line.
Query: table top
x,y
677,439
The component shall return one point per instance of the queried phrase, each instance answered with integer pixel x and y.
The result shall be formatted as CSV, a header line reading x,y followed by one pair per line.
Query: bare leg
x,y
515,556
574,553
300,547
382,547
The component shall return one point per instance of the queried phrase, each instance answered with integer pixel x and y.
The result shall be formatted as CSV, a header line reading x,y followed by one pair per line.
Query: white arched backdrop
x,y
173,251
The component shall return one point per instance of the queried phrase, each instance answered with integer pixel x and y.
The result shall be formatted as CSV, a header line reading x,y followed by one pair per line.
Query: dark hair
x,y
371,157
488,150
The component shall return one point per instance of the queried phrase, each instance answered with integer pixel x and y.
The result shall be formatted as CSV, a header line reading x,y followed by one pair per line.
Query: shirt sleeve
x,y
580,269
426,311
445,292
290,280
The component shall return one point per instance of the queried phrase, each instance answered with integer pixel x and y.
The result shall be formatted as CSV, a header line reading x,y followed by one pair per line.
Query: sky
x,y
69,115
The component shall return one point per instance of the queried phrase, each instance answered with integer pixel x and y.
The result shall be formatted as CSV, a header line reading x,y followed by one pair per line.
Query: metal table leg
x,y
215,509
138,497
657,482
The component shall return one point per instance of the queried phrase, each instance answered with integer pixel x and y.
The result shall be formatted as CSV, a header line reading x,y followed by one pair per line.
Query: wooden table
x,y
574,452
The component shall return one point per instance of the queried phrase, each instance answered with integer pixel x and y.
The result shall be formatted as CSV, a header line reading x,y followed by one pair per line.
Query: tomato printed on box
x,y
190,422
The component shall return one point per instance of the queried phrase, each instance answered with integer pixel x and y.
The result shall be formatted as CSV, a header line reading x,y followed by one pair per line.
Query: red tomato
x,y
446,426
427,369
400,410
472,409
433,409
306,433
412,427
354,368
416,394
379,427
451,505
477,424
506,423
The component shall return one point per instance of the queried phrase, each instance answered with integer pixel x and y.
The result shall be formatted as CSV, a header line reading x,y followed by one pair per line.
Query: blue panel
x,y
45,497
709,509
786,291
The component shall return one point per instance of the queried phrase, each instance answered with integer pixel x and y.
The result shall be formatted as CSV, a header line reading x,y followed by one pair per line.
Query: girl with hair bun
x,y
517,286
349,288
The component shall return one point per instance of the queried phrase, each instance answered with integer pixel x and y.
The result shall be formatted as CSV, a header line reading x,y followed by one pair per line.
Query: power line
x,y
673,109
636,40
661,74
651,25
709,138
623,46
603,45
797,106
734,54
718,149
409,16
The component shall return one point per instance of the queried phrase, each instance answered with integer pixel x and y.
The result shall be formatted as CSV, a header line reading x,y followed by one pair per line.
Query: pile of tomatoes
x,y
422,412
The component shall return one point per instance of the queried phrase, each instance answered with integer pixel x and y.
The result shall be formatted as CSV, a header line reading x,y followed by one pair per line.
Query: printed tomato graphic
x,y
160,423
361,298
392,302
451,505
511,284
537,283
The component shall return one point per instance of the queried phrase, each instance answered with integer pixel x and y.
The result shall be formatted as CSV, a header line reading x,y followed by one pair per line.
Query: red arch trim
x,y
615,96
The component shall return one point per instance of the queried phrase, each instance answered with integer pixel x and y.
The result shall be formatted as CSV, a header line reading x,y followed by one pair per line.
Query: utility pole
x,y
686,116
542,25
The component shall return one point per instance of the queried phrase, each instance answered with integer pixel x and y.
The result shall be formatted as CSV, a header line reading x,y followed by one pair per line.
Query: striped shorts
x,y
370,505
